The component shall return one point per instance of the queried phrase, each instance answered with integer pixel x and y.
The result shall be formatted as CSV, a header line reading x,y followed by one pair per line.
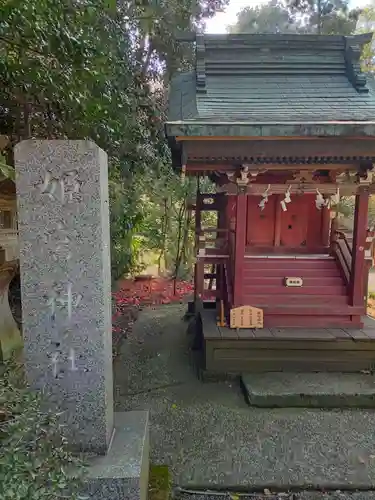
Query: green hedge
x,y
34,456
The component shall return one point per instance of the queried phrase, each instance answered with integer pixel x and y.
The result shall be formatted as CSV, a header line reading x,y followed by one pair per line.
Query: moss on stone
x,y
159,483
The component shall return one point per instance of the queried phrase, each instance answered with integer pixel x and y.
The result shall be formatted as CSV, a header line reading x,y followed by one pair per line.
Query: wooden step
x,y
288,264
300,273
311,346
293,321
289,300
309,309
279,281
250,289
244,358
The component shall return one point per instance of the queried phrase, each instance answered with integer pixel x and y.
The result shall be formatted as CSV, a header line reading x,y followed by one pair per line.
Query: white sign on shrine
x,y
293,282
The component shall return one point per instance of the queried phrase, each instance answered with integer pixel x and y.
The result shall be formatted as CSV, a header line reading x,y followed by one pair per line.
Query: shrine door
x,y
301,226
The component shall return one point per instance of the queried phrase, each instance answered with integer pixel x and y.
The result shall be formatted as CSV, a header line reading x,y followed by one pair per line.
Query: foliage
x,y
327,17
366,24
99,69
346,208
6,170
371,212
298,16
166,227
34,460
271,17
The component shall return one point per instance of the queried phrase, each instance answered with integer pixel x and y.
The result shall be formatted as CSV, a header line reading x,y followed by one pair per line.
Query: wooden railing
x,y
211,249
343,252
342,247
212,238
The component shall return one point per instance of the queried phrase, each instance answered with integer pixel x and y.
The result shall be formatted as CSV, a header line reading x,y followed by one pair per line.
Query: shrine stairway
x,y
322,300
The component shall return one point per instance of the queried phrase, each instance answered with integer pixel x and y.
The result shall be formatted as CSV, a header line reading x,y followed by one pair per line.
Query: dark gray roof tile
x,y
300,77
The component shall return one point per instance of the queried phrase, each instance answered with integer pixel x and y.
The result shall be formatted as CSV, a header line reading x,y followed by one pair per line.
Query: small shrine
x,y
284,126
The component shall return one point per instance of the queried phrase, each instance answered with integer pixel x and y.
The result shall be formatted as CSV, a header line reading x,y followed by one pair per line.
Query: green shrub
x,y
34,458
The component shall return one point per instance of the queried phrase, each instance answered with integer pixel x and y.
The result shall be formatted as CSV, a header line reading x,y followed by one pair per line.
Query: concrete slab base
x,y
309,390
122,474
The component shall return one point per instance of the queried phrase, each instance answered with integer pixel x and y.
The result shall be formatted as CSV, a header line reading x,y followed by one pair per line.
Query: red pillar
x,y
358,253
239,251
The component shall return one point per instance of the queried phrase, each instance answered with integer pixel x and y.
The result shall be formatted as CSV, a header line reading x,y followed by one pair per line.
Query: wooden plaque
x,y
246,317
294,282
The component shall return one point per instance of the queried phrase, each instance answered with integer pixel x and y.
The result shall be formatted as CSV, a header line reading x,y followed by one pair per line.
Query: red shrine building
x,y
284,126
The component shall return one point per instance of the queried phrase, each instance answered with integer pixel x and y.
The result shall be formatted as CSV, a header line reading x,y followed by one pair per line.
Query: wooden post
x,y
358,251
332,234
199,268
239,251
221,211
198,220
199,279
199,265
277,236
326,224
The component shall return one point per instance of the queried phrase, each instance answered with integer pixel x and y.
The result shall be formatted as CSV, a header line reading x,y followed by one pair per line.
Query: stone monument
x,y
63,216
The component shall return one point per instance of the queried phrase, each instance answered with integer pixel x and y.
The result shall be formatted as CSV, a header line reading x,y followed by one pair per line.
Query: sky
x,y
219,23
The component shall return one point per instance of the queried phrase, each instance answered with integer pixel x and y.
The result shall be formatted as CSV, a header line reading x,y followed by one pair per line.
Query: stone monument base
x,y
122,474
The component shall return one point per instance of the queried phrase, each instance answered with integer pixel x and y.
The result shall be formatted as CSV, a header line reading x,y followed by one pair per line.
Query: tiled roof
x,y
270,78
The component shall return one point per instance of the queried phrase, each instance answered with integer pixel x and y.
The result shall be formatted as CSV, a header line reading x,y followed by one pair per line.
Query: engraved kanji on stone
x,y
72,359
64,188
57,359
63,299
59,241
54,363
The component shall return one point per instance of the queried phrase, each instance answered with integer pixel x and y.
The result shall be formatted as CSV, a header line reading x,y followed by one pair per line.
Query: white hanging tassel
x,y
243,173
286,199
264,199
320,202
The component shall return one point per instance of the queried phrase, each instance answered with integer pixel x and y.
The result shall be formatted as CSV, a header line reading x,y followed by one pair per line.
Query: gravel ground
x,y
209,437
302,495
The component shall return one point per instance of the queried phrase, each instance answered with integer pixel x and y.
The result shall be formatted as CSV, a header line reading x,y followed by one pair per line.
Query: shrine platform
x,y
232,351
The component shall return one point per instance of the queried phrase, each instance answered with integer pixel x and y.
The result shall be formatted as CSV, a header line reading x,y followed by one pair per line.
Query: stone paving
x,y
209,437
309,390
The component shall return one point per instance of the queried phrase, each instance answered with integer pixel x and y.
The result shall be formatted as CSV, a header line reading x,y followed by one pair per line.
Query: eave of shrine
x,y
192,130
204,156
